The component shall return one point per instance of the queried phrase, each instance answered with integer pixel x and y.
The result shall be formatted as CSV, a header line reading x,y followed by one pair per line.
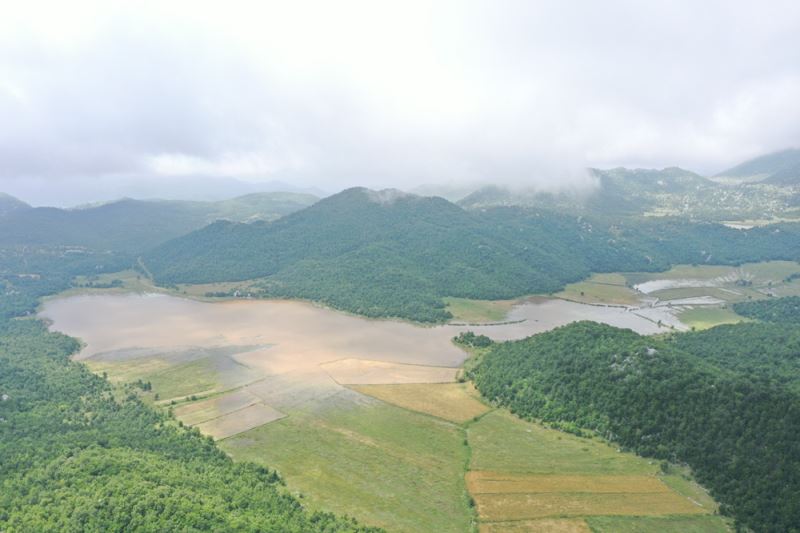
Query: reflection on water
x,y
299,333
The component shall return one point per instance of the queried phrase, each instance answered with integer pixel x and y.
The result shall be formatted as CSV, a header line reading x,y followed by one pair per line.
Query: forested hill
x,y
777,168
78,454
393,254
617,191
786,310
9,204
135,225
726,415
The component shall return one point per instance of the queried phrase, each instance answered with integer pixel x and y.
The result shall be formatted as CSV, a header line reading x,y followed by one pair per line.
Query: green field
x,y
522,475
478,311
601,288
707,317
383,464
657,524
501,442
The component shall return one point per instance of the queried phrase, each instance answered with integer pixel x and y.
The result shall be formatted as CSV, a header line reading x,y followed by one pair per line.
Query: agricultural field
x,y
707,317
478,311
669,524
364,372
394,442
601,289
456,402
524,477
383,464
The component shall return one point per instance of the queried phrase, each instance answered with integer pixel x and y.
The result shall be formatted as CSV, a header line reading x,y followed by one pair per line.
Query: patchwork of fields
x,y
689,296
395,440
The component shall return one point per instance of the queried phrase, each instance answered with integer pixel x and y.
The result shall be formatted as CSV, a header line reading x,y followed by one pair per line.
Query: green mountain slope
x,y
9,204
136,225
777,168
618,191
737,430
392,254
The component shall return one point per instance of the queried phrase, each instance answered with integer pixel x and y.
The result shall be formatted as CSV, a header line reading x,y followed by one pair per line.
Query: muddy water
x,y
300,334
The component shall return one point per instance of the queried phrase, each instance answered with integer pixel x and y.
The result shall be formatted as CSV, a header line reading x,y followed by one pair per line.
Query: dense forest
x,y
390,254
725,410
77,454
786,310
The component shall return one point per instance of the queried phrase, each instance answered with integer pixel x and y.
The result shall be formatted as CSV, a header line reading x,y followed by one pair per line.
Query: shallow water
x,y
298,333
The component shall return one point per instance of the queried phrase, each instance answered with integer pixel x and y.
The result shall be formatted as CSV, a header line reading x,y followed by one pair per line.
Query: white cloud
x,y
333,94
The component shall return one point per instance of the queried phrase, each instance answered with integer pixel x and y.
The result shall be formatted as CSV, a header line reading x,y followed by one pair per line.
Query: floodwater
x,y
297,333
283,355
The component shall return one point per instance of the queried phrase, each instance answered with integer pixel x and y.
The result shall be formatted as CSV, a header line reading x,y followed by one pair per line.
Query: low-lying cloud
x,y
96,97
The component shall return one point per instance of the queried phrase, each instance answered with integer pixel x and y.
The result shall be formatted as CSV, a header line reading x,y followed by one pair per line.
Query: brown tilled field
x,y
524,506
482,482
543,525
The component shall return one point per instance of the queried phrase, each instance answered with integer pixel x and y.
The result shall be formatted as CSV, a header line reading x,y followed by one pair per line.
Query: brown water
x,y
300,333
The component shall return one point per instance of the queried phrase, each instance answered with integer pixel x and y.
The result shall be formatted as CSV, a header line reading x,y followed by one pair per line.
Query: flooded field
x,y
281,355
369,410
285,336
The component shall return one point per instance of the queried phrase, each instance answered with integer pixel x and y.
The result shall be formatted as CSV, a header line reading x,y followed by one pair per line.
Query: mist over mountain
x,y
135,225
10,204
778,168
390,253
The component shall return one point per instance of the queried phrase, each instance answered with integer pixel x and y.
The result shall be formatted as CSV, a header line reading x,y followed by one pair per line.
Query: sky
x,y
191,99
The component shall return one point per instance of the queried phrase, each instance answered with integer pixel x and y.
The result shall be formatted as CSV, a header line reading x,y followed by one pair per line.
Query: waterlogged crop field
x,y
365,417
688,296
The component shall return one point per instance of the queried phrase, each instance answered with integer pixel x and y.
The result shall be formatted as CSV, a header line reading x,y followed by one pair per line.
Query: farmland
x,y
393,440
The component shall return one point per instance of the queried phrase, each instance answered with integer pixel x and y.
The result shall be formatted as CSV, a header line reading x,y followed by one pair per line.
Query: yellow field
x,y
504,507
482,482
525,477
543,525
456,402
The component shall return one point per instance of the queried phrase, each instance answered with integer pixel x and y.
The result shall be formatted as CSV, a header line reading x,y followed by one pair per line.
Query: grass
x,y
503,443
478,311
199,291
204,410
383,464
525,477
185,379
456,402
653,524
704,317
132,281
484,482
125,371
526,506
679,479
601,288
240,421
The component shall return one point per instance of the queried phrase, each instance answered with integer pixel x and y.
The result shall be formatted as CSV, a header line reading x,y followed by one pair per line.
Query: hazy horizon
x,y
189,100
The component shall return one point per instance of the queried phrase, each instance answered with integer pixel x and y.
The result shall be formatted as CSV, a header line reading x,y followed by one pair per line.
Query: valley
x,y
368,418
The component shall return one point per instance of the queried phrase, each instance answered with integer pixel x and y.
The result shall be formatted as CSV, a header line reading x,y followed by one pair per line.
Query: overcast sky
x,y
99,99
